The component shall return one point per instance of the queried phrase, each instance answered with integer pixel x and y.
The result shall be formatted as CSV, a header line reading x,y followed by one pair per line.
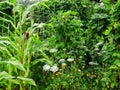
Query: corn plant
x,y
19,47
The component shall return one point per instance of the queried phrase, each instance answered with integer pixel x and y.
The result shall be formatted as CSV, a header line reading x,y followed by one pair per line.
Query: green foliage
x,y
18,48
60,45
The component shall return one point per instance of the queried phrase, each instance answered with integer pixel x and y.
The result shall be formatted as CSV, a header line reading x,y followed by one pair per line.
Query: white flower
x,y
54,69
103,52
64,49
53,50
61,60
93,63
79,70
101,4
80,57
46,67
70,59
98,44
96,49
99,53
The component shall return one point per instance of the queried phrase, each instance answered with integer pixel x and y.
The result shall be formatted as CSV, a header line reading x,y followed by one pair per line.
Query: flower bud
x,y
26,35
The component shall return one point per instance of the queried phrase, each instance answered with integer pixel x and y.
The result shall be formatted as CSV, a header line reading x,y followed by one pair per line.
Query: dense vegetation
x,y
60,45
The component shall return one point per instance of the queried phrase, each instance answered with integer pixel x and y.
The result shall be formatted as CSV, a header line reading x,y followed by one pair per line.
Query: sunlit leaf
x,y
5,75
27,80
8,21
16,64
108,31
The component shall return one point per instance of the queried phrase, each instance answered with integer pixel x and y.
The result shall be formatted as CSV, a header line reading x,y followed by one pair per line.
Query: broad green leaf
x,y
116,54
27,80
114,67
14,45
36,26
8,21
5,75
41,60
6,15
16,64
5,50
27,11
4,42
42,3
15,81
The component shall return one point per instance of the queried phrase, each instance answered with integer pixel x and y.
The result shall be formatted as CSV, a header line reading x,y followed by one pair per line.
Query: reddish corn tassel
x,y
26,35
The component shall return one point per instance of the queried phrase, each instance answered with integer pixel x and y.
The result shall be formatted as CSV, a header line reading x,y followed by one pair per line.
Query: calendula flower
x,y
61,60
54,68
70,59
53,50
46,67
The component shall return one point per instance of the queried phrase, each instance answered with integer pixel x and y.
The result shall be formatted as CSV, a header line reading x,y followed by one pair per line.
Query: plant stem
x,y
9,83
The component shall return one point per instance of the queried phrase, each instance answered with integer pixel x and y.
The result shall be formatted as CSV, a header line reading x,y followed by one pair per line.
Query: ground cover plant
x,y
60,45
